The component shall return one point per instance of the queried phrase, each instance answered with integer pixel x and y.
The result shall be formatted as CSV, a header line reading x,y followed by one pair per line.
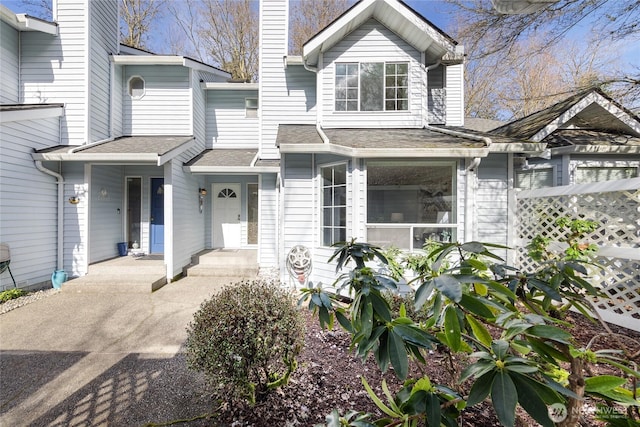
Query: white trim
x,y
125,216
88,125
144,87
24,22
231,170
35,113
229,86
167,60
383,152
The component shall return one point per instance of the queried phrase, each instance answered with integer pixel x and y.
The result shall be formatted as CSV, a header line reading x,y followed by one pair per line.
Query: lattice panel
x,y
618,213
622,285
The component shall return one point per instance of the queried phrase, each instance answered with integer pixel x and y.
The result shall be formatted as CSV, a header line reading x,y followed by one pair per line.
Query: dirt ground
x,y
328,377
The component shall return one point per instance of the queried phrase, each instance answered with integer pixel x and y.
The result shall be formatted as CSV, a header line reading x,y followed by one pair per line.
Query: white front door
x,y
226,215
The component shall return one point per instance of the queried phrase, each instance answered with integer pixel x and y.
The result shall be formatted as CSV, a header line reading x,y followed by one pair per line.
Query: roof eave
x,y
383,152
596,149
435,39
230,170
229,86
518,147
98,157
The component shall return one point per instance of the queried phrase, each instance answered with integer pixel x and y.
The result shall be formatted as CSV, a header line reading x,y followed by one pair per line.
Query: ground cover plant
x,y
509,327
10,294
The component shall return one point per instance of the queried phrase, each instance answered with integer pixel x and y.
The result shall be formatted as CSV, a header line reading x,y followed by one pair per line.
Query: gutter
x,y
60,183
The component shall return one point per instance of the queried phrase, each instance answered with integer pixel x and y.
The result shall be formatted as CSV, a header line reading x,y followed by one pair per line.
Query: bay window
x,y
372,86
334,203
410,203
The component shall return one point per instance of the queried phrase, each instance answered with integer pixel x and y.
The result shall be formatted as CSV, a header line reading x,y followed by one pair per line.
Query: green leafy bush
x,y
10,294
246,339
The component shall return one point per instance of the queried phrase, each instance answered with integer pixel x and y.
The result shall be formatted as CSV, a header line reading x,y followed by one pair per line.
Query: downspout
x,y
469,190
325,138
60,183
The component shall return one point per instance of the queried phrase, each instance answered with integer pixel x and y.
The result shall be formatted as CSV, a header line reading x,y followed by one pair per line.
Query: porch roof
x,y
231,161
417,142
127,149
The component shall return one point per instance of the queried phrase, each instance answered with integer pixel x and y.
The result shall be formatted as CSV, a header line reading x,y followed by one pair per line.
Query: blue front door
x,y
157,215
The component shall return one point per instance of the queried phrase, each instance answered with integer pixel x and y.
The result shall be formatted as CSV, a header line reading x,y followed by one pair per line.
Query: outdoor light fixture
x,y
202,191
74,200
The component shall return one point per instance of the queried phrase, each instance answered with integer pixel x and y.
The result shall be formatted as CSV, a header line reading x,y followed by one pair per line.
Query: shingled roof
x,y
592,110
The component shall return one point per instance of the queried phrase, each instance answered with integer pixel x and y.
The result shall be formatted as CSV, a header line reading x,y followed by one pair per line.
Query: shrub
x,y
10,294
245,340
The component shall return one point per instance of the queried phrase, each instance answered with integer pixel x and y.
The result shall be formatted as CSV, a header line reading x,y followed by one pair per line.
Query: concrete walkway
x,y
87,359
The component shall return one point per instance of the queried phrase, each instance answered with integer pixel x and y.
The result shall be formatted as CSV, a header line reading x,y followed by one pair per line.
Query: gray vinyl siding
x,y
188,222
165,108
106,217
199,106
103,42
226,121
76,219
54,69
436,96
298,193
28,202
268,221
9,64
211,77
492,200
273,90
117,101
454,82
369,43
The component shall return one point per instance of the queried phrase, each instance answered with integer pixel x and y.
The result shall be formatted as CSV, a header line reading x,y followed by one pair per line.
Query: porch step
x,y
116,283
224,263
122,274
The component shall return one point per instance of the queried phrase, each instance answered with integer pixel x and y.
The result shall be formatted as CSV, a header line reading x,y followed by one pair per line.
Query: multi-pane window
x,y
372,86
334,204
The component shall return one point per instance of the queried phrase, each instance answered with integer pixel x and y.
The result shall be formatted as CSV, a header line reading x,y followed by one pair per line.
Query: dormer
x,y
381,64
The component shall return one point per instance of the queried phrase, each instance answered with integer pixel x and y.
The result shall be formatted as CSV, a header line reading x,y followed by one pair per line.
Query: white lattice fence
x,y
615,205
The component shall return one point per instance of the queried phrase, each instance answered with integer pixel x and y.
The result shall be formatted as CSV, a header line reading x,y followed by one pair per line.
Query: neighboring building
x,y
589,138
360,137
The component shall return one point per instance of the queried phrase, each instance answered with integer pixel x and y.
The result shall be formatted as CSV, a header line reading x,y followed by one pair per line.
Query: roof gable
x,y
591,110
395,15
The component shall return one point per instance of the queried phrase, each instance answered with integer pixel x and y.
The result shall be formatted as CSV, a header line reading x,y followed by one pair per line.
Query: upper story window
x,y
136,87
372,86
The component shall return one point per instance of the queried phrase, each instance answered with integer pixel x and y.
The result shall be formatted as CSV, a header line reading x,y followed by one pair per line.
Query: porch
x,y
141,274
122,274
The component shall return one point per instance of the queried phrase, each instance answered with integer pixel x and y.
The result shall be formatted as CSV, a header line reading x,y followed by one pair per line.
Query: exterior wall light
x,y
202,192
74,200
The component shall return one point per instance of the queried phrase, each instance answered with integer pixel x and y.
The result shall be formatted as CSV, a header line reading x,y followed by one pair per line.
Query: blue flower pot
x,y
58,278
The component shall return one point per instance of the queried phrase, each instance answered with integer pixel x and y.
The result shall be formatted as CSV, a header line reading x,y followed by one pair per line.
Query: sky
x,y
436,11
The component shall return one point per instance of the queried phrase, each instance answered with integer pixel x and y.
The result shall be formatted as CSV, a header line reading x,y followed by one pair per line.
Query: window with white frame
x,y
410,203
334,203
136,87
372,86
529,179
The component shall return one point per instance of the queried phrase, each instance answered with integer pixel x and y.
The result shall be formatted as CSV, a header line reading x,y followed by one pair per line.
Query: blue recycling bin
x,y
122,248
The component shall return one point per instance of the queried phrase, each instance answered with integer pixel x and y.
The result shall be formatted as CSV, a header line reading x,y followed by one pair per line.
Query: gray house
x,y
361,136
